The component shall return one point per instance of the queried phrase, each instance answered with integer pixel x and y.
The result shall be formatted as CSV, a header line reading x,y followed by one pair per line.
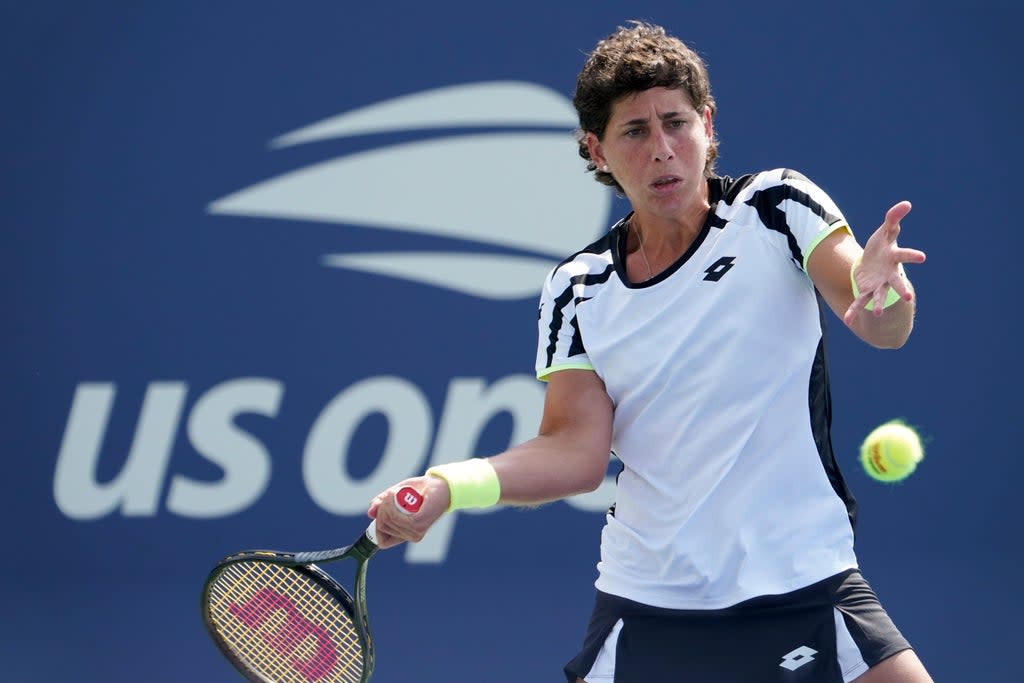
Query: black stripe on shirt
x,y
558,313
766,202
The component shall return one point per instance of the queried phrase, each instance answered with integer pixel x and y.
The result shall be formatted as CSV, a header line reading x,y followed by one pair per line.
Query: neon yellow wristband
x,y
891,297
471,483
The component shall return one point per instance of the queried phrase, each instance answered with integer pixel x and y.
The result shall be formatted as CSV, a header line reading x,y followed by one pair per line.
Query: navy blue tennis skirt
x,y
829,632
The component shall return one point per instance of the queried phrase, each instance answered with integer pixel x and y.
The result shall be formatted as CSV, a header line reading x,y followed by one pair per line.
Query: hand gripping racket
x,y
279,618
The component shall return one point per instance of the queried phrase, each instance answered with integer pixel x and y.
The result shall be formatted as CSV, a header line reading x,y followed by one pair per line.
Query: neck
x,y
673,231
671,237
658,241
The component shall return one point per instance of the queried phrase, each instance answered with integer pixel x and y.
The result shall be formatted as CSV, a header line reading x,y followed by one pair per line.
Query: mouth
x,y
665,182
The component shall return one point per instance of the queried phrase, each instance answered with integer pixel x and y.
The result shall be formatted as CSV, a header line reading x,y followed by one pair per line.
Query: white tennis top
x,y
716,368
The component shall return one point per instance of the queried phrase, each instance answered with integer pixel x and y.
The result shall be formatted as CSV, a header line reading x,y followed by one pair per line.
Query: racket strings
x,y
285,626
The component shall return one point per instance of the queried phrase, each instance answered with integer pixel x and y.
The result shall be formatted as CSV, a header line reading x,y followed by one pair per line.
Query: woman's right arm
x,y
568,456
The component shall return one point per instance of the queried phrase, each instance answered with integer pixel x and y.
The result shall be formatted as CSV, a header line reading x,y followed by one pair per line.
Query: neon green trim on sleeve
x,y
821,236
543,374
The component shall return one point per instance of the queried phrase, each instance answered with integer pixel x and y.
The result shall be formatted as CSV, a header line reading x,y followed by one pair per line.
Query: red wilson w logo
x,y
287,638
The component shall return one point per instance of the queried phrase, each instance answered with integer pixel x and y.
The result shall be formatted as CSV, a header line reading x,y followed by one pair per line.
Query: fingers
x,y
396,525
392,523
386,540
389,530
860,302
902,288
897,213
850,314
878,301
880,266
377,501
905,255
877,296
884,238
890,227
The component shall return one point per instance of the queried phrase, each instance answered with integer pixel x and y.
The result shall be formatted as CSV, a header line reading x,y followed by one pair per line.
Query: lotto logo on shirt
x,y
719,268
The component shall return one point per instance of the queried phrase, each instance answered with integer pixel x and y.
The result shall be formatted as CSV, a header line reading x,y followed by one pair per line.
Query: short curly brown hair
x,y
631,60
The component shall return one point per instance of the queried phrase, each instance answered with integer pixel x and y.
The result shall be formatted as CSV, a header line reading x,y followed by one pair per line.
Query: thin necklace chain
x,y
643,252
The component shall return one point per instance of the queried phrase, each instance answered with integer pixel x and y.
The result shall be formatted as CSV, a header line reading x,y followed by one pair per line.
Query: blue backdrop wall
x,y
243,247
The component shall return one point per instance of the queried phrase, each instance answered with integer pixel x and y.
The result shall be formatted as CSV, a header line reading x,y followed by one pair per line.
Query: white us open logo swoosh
x,y
523,190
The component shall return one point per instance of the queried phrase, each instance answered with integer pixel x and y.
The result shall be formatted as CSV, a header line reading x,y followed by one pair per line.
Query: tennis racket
x,y
279,618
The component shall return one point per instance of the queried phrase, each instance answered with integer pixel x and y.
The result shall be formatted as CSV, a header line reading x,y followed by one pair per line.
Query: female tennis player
x,y
689,341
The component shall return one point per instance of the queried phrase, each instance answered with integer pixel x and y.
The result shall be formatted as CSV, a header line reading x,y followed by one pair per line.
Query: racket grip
x,y
408,500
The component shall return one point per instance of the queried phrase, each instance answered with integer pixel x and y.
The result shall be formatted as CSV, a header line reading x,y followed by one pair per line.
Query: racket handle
x,y
408,500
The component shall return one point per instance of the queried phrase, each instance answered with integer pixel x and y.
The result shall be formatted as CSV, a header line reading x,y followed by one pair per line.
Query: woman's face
x,y
656,146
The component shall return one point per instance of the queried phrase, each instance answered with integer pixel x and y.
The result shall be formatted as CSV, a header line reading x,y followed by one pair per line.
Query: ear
x,y
595,149
709,128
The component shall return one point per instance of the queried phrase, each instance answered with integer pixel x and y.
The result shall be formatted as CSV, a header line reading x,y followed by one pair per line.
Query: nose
x,y
661,146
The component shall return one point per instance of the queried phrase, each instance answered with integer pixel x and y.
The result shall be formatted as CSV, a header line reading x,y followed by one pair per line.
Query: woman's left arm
x,y
879,268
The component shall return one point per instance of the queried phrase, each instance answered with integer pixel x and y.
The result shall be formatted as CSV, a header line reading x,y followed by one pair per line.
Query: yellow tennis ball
x,y
891,452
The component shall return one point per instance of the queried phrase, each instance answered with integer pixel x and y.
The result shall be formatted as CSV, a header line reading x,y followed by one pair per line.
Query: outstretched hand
x,y
880,265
